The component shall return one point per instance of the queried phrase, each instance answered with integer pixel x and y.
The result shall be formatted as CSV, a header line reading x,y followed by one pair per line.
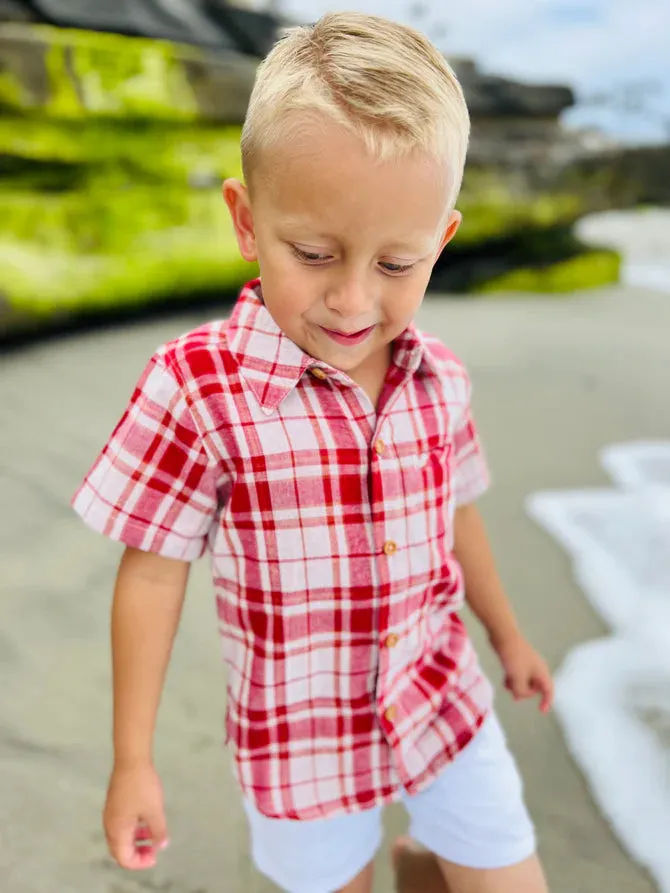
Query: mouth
x,y
348,338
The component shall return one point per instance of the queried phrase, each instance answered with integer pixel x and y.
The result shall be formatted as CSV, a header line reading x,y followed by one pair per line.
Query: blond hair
x,y
385,81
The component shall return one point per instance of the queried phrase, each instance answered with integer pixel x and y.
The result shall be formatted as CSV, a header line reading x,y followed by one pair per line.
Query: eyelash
x,y
317,260
397,269
309,257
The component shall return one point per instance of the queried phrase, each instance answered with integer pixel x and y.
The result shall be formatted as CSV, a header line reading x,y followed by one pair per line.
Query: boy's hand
x,y
134,817
526,673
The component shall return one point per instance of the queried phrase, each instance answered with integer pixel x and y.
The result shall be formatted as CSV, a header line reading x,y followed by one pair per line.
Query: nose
x,y
351,296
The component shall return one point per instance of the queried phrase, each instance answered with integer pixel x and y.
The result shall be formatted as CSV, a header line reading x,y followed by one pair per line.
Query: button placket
x,y
381,467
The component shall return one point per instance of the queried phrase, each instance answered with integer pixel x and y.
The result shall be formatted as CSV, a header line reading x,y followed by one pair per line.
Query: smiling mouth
x,y
348,338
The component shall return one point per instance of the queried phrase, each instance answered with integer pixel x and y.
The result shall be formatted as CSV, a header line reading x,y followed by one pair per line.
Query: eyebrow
x,y
303,223
422,248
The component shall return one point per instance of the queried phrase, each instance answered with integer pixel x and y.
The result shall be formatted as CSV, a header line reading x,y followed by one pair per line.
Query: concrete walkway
x,y
555,380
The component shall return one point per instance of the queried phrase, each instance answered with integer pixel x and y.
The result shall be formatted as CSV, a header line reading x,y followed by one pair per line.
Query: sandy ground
x,y
555,380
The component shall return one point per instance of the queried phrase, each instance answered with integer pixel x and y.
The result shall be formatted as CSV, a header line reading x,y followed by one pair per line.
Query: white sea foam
x,y
613,695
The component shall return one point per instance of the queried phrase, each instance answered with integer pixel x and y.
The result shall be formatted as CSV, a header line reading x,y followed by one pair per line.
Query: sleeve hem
x,y
135,535
466,497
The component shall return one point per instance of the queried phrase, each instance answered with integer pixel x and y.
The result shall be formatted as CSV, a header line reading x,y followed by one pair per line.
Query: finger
x,y
520,687
123,846
512,686
157,830
544,685
146,851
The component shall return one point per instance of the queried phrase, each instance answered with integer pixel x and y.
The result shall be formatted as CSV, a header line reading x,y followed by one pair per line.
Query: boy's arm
x,y
484,591
148,600
526,672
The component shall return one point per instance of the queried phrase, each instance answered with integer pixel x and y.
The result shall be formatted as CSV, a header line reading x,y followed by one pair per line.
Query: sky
x,y
595,46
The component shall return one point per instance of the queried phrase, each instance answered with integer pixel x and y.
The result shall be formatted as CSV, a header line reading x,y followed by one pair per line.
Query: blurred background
x,y
118,121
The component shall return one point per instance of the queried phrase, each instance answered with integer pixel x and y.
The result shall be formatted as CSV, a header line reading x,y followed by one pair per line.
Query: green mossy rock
x,y
590,269
494,206
60,254
112,150
74,75
141,151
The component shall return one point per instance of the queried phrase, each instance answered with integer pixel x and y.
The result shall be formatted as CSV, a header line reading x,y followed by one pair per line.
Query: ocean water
x,y
647,275
643,238
613,694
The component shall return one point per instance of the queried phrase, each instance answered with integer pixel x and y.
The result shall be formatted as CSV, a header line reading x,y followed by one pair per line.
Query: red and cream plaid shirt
x,y
330,529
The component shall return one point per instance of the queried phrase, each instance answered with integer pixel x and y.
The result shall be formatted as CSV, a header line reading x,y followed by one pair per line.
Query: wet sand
x,y
555,380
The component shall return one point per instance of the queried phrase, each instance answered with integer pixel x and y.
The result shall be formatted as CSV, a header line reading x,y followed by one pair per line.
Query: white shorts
x,y
473,815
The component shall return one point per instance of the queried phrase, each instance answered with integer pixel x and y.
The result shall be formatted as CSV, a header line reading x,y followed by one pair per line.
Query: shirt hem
x,y
395,795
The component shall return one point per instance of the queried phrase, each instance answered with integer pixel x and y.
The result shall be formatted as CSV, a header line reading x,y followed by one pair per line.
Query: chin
x,y
347,362
343,363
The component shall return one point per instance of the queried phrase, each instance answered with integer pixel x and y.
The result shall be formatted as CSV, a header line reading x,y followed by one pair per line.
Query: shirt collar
x,y
273,365
413,353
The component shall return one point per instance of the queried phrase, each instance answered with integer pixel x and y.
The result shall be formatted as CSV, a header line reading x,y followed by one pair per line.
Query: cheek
x,y
278,265
298,288
289,293
271,256
402,303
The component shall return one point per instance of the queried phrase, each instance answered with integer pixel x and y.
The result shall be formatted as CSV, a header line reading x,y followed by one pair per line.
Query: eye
x,y
396,269
310,257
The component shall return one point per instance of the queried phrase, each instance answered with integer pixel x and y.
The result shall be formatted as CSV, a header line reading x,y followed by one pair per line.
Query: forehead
x,y
322,175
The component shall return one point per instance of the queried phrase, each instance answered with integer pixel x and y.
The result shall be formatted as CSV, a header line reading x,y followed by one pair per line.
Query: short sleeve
x,y
153,487
471,475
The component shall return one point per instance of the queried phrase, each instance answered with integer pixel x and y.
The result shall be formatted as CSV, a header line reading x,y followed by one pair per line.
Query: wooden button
x,y
392,640
390,714
380,447
319,373
390,548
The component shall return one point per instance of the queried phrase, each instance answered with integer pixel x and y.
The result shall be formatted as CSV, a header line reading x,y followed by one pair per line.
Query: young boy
x,y
323,451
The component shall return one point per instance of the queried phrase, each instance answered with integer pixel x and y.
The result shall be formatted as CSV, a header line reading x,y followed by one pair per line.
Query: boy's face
x,y
345,243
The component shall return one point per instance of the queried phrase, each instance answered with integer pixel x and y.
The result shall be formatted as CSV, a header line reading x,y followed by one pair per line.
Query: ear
x,y
236,196
454,221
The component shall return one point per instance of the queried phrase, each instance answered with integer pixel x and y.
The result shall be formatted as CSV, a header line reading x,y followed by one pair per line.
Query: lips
x,y
349,339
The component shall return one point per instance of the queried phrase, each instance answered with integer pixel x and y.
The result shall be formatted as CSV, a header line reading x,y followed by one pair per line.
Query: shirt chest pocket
x,y
425,464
